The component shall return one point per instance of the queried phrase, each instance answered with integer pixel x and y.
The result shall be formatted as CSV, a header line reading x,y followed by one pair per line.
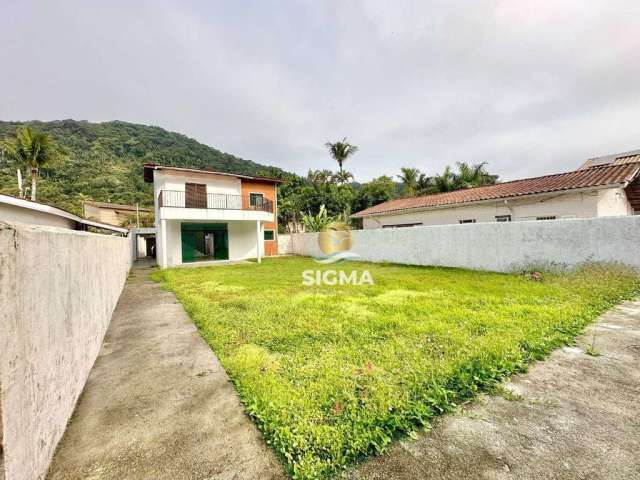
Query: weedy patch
x,y
331,374
591,351
508,394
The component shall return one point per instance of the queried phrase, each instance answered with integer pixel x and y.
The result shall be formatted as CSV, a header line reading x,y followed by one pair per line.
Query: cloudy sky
x,y
531,87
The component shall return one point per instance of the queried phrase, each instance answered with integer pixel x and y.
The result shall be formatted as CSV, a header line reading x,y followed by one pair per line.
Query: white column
x,y
258,242
163,243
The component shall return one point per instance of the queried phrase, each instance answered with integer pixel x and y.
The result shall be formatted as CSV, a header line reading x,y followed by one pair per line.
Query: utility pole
x,y
20,189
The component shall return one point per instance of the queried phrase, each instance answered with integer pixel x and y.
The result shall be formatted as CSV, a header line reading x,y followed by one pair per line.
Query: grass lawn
x,y
331,374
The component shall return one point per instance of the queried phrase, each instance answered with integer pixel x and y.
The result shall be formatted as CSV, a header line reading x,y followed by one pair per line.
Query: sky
x,y
531,87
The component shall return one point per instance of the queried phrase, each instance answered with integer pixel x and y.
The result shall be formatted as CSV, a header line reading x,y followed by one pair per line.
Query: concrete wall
x,y
497,246
285,244
605,202
58,289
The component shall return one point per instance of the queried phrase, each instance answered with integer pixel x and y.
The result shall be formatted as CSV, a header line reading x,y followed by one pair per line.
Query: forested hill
x,y
103,161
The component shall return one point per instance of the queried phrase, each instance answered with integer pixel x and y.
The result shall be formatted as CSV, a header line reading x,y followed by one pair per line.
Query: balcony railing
x,y
221,201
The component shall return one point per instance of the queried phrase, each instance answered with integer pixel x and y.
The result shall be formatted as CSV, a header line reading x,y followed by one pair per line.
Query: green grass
x,y
331,374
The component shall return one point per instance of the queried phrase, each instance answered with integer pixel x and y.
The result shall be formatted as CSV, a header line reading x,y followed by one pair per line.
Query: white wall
x,y
58,289
595,203
613,202
173,242
285,244
497,246
14,214
243,241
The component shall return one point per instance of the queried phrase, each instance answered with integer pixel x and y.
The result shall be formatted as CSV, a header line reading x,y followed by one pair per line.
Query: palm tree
x,y
83,198
31,149
343,177
409,178
474,175
340,151
320,177
424,185
446,181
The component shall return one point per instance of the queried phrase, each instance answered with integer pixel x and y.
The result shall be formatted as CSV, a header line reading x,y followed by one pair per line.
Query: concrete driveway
x,y
158,404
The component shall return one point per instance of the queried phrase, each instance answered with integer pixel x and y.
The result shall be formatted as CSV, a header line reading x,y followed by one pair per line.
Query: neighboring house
x,y
604,186
21,210
209,216
113,213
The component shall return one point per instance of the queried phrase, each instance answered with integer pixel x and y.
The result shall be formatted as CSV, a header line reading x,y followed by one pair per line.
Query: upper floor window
x,y
503,218
256,199
468,220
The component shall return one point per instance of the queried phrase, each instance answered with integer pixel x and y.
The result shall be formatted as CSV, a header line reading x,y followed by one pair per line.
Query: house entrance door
x,y
204,241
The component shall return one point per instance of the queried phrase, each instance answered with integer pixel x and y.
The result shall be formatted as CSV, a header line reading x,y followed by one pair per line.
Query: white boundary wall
x,y
58,289
285,244
500,247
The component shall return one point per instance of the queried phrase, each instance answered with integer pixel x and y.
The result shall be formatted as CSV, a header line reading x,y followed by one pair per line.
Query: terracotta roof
x,y
587,178
632,156
150,167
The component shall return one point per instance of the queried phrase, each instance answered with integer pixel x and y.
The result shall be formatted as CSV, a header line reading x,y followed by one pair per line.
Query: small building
x,y
21,210
114,213
601,187
143,242
205,216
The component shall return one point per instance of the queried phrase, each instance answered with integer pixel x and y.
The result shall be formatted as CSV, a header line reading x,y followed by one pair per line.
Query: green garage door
x,y
204,241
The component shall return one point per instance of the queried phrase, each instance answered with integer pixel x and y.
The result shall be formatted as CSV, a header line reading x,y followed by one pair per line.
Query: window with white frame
x,y
503,218
256,199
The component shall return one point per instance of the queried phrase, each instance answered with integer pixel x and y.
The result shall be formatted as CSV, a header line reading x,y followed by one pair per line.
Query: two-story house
x,y
202,215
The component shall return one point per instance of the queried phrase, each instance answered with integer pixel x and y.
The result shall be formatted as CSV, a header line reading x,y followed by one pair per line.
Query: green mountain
x,y
103,161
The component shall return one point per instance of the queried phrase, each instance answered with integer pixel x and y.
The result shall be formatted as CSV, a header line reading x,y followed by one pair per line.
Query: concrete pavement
x,y
158,404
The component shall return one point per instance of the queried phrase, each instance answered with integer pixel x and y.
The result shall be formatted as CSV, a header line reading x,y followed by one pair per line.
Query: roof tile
x,y
592,177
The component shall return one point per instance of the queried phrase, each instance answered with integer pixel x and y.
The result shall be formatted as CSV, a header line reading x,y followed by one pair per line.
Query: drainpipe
x,y
258,241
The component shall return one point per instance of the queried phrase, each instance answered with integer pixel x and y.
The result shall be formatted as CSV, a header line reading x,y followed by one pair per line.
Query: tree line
x,y
103,162
325,196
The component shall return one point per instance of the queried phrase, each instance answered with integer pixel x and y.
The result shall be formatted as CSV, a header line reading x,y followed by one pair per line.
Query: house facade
x,y
114,213
605,186
212,216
